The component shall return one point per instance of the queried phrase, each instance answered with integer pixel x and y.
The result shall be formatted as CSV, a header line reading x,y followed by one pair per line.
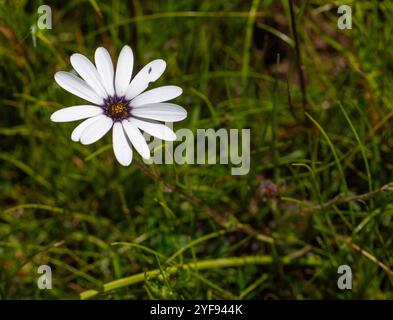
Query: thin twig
x,y
370,257
340,199
229,222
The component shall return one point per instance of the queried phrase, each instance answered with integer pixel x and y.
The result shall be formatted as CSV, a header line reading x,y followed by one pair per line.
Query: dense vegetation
x,y
318,101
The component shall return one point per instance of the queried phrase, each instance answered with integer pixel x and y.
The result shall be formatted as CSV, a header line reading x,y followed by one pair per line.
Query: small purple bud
x,y
268,189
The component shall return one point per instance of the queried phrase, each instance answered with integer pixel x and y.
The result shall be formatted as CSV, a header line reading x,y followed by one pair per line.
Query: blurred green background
x,y
321,141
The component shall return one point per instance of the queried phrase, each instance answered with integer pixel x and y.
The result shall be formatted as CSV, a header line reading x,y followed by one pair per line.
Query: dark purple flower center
x,y
117,108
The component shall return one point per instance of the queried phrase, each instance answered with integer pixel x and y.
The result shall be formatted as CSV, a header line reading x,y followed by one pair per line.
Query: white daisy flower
x,y
118,102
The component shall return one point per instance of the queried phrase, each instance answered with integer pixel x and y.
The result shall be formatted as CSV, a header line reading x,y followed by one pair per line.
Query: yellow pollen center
x,y
117,110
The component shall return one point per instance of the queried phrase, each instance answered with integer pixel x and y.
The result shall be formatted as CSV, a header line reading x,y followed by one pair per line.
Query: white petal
x,y
77,86
149,73
96,130
121,148
124,67
77,133
161,111
155,129
105,69
75,113
89,73
157,95
136,138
